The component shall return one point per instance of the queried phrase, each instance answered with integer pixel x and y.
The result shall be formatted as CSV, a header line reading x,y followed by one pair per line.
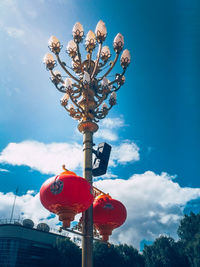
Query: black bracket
x,y
101,160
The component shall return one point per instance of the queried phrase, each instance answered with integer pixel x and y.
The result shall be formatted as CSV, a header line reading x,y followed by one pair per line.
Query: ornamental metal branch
x,y
87,87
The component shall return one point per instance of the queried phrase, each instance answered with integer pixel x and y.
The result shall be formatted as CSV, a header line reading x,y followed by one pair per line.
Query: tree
x,y
192,250
189,227
119,256
130,256
189,233
106,255
164,252
68,253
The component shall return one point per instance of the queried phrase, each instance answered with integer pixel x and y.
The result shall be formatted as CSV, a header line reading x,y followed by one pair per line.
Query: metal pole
x,y
87,240
13,207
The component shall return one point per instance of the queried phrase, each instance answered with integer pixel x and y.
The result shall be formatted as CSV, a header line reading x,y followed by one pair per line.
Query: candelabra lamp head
x,y
88,93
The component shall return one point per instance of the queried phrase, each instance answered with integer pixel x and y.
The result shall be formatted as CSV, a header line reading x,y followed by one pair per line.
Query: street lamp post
x,y
86,88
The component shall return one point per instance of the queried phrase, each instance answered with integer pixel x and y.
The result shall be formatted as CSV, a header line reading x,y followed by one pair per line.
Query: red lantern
x,y
66,195
108,214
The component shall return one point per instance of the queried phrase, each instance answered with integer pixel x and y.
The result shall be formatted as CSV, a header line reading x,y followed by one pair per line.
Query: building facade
x,y
27,247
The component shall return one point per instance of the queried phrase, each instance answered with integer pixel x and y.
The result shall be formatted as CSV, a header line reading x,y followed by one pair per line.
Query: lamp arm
x,y
61,88
101,65
117,88
73,101
101,100
77,96
89,58
75,114
62,65
56,77
78,52
101,114
97,60
113,64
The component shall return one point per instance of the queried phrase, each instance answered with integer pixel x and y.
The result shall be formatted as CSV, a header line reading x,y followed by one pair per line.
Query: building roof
x,y
22,232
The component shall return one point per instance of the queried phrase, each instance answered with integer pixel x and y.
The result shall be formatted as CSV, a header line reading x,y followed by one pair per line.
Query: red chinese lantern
x,y
66,195
108,214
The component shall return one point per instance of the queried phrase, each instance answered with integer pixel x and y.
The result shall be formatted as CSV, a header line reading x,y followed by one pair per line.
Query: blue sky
x,y
154,129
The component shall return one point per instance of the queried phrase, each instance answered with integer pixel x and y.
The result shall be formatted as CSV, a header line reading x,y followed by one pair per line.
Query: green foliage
x,y
68,253
118,256
189,227
130,256
164,252
106,256
189,232
192,250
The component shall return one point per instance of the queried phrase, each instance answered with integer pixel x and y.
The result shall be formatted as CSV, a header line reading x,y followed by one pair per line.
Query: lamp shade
x,y
125,58
118,42
101,31
77,32
48,58
53,41
90,41
105,53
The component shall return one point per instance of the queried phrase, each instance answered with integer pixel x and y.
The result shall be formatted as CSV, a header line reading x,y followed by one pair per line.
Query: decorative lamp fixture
x,y
90,41
64,99
101,31
66,195
118,43
71,49
56,78
113,99
108,214
49,61
68,83
54,44
78,32
125,58
105,53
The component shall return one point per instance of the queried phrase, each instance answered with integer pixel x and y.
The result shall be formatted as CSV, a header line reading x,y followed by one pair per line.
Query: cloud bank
x,y
49,158
108,128
154,204
46,158
127,151
26,206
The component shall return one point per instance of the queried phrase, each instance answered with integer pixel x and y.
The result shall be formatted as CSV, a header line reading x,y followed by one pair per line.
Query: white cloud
x,y
108,175
31,13
124,153
14,32
49,158
106,134
4,170
20,26
108,127
112,123
154,204
46,158
26,206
